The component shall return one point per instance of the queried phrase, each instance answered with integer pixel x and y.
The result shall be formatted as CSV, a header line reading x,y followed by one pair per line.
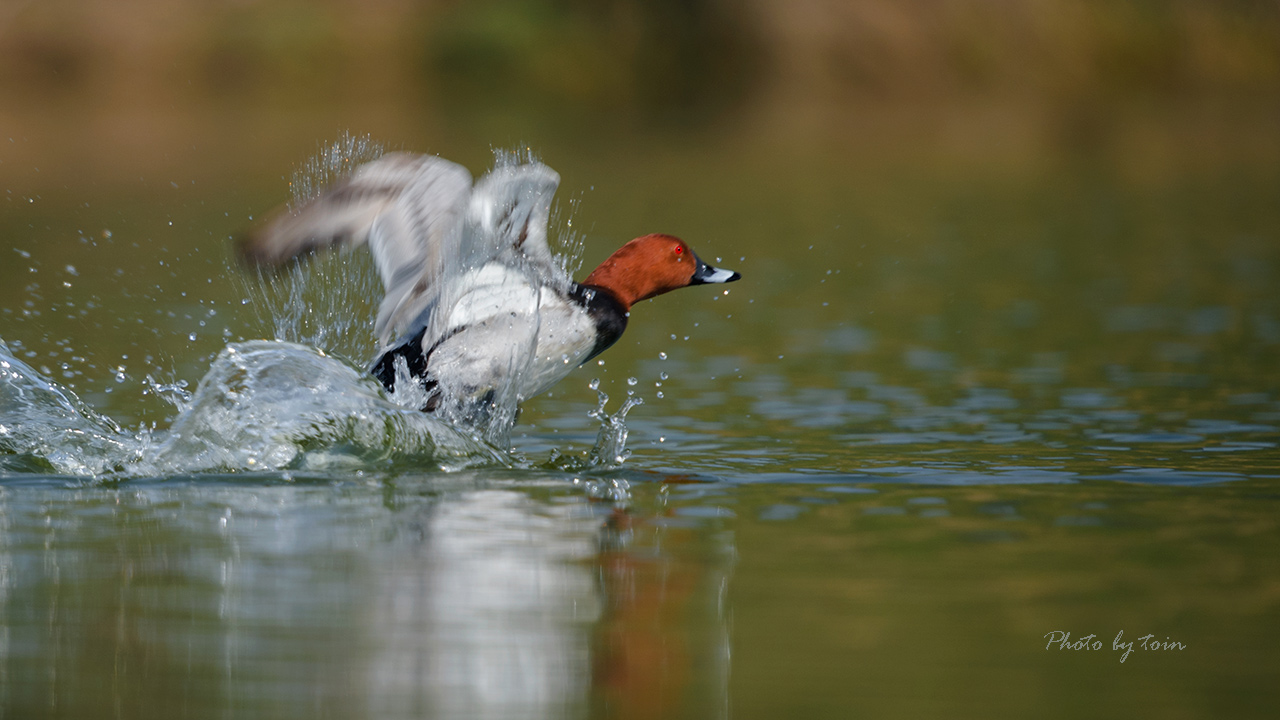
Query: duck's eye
x,y
679,250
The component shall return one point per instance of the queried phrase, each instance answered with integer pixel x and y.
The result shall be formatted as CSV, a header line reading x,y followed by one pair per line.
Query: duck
x,y
477,312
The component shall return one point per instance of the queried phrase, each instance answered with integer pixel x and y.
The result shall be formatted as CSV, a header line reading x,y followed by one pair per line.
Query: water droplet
x,y
662,376
594,384
632,381
662,356
192,337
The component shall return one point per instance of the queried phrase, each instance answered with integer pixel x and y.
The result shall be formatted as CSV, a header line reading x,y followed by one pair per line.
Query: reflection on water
x,y
489,613
422,597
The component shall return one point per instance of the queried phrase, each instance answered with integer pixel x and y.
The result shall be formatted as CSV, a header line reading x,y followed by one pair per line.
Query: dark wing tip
x,y
261,249
251,250
276,243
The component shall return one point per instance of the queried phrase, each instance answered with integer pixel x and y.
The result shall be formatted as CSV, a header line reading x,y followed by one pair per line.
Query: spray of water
x,y
330,164
610,450
329,301
44,427
263,405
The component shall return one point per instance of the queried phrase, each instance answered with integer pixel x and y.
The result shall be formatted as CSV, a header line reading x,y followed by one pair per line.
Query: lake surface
x,y
956,409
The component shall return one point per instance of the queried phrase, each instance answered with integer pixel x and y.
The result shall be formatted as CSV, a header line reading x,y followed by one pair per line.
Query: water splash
x,y
269,405
610,450
175,393
332,163
570,244
47,427
328,302
616,491
262,406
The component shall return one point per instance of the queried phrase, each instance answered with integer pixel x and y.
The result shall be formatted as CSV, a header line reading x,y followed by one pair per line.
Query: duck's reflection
x,y
649,658
238,600
487,613
511,607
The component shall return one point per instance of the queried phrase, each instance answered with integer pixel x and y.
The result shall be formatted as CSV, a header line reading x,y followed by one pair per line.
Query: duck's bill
x,y
707,274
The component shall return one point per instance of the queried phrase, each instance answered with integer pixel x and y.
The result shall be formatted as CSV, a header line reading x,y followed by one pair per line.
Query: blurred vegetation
x,y
664,54
664,59
139,78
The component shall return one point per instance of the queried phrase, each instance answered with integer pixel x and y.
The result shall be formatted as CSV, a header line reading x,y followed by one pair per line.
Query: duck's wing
x,y
343,214
427,229
408,208
416,244
432,246
508,214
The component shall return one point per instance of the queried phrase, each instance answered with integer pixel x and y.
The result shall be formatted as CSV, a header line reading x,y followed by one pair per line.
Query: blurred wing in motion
x,y
509,212
408,208
430,235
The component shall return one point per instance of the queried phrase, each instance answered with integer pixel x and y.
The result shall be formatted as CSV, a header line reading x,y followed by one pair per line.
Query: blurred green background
x,y
215,89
